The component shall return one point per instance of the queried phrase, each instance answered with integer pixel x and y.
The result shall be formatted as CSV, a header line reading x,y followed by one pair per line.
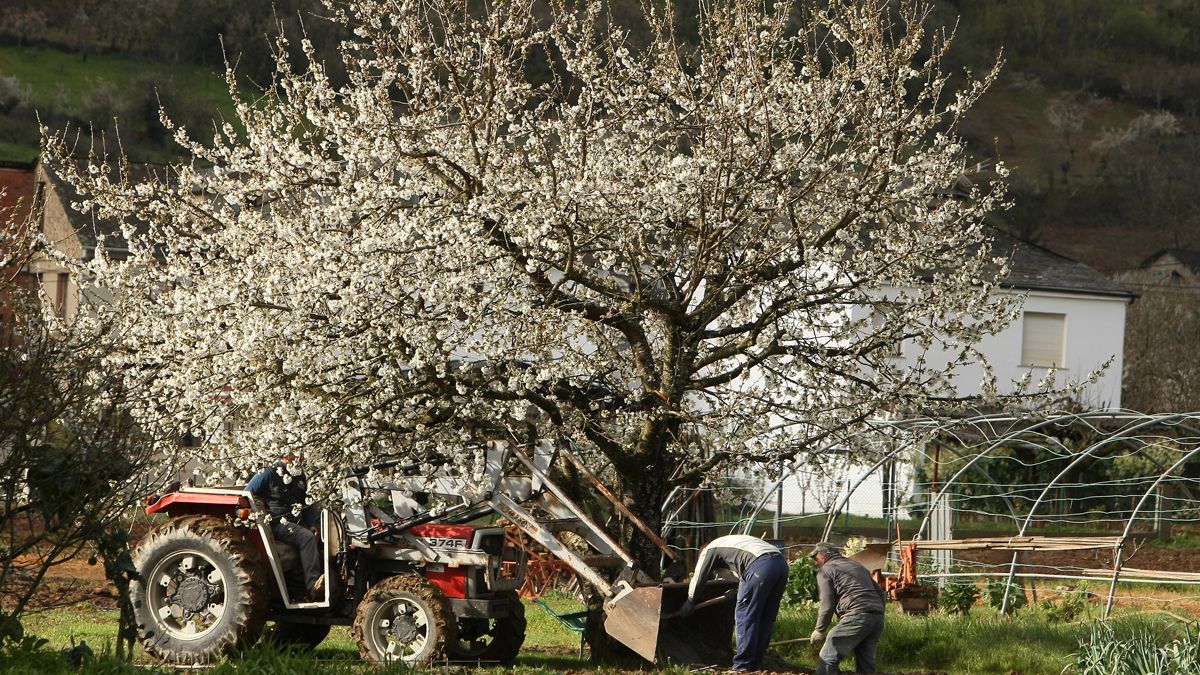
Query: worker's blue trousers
x,y
758,598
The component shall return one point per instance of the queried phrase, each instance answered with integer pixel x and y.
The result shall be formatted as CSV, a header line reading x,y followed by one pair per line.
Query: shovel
x,y
633,618
793,641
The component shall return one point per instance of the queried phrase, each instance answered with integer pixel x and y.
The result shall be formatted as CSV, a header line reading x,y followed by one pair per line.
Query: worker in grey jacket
x,y
846,587
762,572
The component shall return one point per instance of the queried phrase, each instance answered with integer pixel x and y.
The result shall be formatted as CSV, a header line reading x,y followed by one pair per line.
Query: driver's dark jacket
x,y
281,496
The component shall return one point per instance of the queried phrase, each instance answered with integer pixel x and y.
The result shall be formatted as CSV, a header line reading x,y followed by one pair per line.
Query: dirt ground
x,y
69,583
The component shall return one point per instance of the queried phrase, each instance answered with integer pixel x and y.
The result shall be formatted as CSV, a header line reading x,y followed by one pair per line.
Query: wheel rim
x,y
400,630
186,591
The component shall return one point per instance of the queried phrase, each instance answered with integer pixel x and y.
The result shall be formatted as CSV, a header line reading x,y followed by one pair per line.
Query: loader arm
x,y
633,601
633,605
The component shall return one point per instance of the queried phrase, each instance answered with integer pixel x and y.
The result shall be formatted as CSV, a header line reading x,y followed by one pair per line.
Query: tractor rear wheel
x,y
306,636
203,592
491,640
404,618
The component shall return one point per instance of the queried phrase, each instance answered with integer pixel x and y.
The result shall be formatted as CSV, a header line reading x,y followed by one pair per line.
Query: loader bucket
x,y
632,618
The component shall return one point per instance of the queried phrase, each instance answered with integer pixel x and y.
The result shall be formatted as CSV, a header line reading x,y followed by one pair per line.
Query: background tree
x,y
1162,365
656,252
73,462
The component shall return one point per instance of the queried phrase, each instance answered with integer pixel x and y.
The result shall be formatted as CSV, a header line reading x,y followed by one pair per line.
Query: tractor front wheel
x,y
491,640
202,593
404,618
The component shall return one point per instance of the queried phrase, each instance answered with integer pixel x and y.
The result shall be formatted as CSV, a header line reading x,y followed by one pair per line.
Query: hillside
x,y
1096,110
64,87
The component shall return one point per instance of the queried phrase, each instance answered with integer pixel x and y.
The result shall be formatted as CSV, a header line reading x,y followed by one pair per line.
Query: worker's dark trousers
x,y
758,599
306,544
858,633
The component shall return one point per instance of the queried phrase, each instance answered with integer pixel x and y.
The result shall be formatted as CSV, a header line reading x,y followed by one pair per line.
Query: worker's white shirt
x,y
734,551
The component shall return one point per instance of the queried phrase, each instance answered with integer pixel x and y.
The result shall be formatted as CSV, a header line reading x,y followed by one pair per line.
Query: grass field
x,y
58,77
60,86
984,642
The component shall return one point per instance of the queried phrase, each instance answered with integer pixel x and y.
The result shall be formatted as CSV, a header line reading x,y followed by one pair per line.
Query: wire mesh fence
x,y
1105,497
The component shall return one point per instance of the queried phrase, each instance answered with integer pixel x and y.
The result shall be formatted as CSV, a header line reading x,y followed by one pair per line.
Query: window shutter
x,y
1042,339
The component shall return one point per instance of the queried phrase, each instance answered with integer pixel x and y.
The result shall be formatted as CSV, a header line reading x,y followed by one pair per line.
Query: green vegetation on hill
x,y
70,82
1096,113
63,88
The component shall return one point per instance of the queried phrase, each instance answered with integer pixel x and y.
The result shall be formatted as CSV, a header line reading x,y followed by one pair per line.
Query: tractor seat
x,y
286,554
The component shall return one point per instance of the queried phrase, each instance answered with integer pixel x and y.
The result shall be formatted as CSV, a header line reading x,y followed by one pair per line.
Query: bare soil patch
x,y
68,583
1144,557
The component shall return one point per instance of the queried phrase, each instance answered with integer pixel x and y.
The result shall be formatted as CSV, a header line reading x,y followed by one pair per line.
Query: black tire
x,y
404,618
491,640
203,593
305,636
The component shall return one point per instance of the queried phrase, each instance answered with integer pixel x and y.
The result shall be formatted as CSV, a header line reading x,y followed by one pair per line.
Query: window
x,y
60,294
1042,339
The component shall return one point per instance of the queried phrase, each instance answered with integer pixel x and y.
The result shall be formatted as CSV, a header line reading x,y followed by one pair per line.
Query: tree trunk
x,y
645,497
644,484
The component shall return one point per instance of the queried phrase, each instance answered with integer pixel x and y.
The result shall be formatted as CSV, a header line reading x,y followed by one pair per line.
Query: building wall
x,y
1094,333
56,283
16,199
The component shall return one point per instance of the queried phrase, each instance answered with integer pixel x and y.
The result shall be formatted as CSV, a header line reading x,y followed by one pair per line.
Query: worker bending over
x,y
847,588
762,572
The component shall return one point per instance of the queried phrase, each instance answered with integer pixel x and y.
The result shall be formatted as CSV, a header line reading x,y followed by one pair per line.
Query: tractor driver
x,y
762,572
281,490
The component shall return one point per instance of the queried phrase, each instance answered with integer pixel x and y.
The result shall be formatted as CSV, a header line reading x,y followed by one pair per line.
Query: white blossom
x,y
654,253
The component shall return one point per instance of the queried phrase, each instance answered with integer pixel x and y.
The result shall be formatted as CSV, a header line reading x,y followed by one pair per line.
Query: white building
x,y
1073,321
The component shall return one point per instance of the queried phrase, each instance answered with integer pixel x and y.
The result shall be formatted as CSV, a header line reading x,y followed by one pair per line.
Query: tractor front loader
x,y
416,582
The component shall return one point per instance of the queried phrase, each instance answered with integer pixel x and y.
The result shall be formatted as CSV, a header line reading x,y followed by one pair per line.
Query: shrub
x,y
958,597
1070,606
994,594
802,582
73,460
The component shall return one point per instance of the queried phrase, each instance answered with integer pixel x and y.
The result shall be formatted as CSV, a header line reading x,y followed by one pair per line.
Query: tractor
x,y
417,583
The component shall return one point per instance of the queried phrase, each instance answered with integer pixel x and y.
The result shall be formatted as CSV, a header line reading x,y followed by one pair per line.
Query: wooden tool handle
x,y
790,642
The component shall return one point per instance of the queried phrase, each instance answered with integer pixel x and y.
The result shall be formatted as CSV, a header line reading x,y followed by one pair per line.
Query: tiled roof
x,y
1035,268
